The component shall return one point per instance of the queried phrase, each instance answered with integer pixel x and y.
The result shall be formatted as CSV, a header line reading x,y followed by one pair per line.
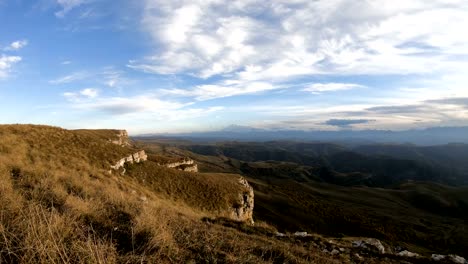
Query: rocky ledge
x,y
184,165
136,157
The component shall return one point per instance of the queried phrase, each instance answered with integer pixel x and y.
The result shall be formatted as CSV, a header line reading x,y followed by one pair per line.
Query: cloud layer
x,y
289,38
248,46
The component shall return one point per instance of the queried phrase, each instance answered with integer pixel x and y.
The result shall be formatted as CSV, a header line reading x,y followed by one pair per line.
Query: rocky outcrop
x,y
185,161
408,254
189,168
136,157
450,258
371,244
243,209
121,138
184,165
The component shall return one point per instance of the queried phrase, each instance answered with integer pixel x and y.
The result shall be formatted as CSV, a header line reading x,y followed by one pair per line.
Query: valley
x,y
331,189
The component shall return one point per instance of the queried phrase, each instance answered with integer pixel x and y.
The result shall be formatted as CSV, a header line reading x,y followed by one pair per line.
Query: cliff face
x,y
243,209
136,157
121,138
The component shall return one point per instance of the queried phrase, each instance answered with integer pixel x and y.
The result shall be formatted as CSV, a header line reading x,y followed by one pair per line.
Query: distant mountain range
x,y
428,136
376,165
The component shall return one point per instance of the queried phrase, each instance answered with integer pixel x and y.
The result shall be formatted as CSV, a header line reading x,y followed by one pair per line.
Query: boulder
x,y
301,234
278,234
371,244
409,254
457,259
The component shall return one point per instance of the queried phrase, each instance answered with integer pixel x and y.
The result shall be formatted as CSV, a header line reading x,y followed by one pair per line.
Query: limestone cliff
x,y
136,157
243,209
121,138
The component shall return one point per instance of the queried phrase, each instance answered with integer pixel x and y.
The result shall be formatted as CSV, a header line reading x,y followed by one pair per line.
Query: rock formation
x,y
185,161
136,157
406,253
243,209
121,138
189,168
450,258
184,165
371,244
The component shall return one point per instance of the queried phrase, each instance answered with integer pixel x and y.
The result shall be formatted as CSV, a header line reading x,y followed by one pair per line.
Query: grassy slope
x,y
59,205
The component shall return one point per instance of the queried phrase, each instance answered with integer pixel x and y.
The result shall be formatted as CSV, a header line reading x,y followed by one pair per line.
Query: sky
x,y
162,66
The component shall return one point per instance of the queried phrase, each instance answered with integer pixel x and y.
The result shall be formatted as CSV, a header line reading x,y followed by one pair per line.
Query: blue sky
x,y
180,66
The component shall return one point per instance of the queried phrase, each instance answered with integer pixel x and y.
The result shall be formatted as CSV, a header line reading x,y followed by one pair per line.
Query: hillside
x,y
61,202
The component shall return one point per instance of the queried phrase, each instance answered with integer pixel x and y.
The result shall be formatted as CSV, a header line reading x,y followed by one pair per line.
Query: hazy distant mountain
x,y
241,129
428,136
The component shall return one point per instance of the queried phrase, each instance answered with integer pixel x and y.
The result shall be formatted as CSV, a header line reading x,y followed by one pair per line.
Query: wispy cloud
x,y
234,51
87,93
6,63
141,107
226,89
107,76
114,78
303,37
331,87
76,76
68,5
16,45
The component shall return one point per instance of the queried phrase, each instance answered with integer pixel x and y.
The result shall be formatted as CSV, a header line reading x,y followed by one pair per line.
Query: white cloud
x,y
142,108
87,93
68,5
16,45
297,38
6,62
113,78
331,87
207,92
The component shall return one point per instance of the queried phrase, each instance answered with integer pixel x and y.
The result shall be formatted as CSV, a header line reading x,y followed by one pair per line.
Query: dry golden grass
x,y
59,205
